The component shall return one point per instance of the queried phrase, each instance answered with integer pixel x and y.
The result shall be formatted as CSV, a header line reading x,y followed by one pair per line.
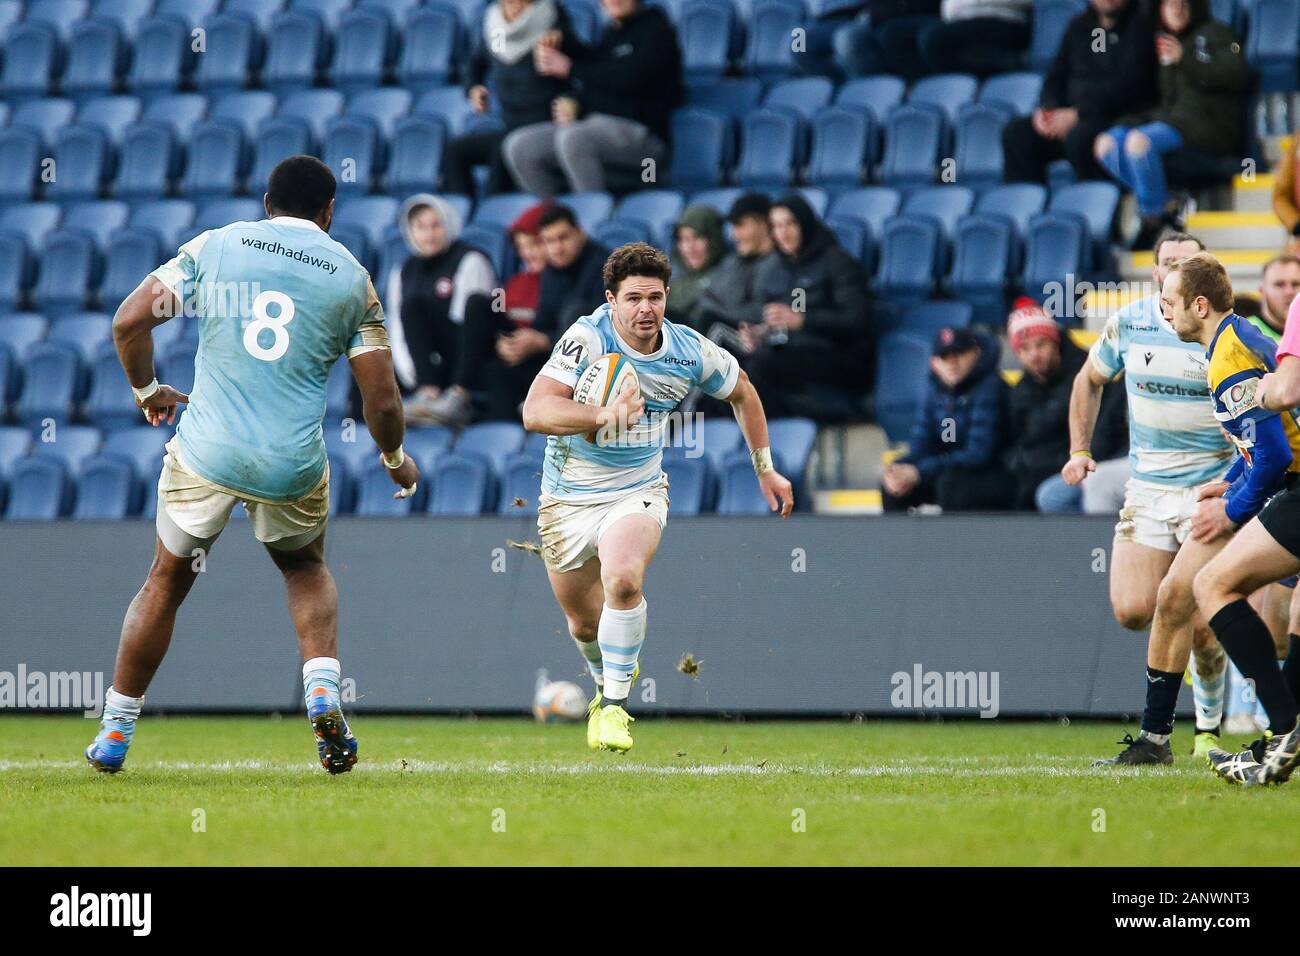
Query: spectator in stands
x,y
1040,401
615,133
1104,492
816,326
500,349
571,284
1202,82
1278,288
426,298
1286,189
735,293
885,38
1088,84
982,37
699,247
954,459
503,59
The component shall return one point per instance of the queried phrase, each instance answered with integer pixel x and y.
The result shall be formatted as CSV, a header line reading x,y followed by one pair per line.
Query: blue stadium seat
x,y
843,147
21,156
584,19
278,138
501,210
1097,203
384,107
148,162
902,376
127,14
870,205
701,148
355,240
493,441
330,12
16,270
177,111
792,440
34,220
426,443
590,208
20,331
1273,44
352,150
689,485
30,62
914,136
769,53
717,439
60,15
739,493
945,204
46,115
1051,17
15,443
163,57
295,51
247,109
69,444
396,9
984,258
911,257
86,332
947,91
168,219
106,491
925,319
535,444
805,95
11,11
374,214
111,115
260,12
96,56
39,490
522,482
462,485
448,105
1018,202
343,491
656,210
1056,247
720,200
83,157
431,39
879,94
979,146
1016,92
69,270
731,97
364,47
314,107
816,198
99,217
706,33
338,389
217,159
769,149
233,53
353,445
142,448
851,234
493,243
375,492
415,155
176,366
619,232
1225,11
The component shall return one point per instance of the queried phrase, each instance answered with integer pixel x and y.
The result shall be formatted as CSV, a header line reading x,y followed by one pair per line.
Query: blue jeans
x,y
1144,174
1054,496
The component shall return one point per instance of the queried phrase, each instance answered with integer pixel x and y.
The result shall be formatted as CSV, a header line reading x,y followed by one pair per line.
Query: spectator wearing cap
x,y
618,125
571,284
982,37
734,296
427,295
500,350
955,454
699,246
503,60
816,326
1040,401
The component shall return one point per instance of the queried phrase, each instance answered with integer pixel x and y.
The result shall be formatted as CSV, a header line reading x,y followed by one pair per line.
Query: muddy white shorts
x,y
193,512
1157,516
571,531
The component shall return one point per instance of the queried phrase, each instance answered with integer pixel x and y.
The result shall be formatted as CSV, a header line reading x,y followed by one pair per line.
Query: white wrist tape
x,y
762,459
393,460
142,393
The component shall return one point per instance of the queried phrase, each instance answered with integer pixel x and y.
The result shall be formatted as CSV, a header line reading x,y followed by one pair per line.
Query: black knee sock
x,y
1291,669
1162,698
1247,640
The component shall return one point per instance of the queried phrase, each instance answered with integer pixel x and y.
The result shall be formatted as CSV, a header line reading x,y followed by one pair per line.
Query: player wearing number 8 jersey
x,y
278,302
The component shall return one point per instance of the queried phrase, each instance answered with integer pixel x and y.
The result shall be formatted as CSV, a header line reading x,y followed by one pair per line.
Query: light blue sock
x,y
317,674
1208,697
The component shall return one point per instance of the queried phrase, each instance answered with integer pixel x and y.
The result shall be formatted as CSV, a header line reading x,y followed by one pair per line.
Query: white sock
x,y
590,651
320,672
620,635
120,707
1207,695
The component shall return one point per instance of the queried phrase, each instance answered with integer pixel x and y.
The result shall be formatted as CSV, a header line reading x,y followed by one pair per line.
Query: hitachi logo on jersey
x,y
280,248
674,360
75,908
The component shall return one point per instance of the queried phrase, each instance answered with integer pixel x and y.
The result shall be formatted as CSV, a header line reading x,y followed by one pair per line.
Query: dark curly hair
x,y
635,259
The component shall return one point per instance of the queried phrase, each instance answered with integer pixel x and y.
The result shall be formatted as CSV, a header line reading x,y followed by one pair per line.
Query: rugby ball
x,y
559,700
602,381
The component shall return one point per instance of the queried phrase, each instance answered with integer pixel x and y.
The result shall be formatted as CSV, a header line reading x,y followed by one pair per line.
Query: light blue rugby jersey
x,y
278,302
578,470
1174,438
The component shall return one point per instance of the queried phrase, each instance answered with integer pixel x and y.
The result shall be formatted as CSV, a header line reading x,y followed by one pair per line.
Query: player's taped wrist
x,y
762,459
1081,453
143,393
393,459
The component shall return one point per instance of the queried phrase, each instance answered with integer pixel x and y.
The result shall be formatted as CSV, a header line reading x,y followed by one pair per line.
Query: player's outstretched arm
x,y
1085,405
381,405
748,409
550,409
150,305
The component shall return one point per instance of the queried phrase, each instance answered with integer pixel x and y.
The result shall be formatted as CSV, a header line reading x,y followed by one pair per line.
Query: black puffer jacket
x,y
1102,81
1040,417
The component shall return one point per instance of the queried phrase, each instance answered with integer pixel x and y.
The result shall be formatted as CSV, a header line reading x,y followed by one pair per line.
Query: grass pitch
x,y
507,791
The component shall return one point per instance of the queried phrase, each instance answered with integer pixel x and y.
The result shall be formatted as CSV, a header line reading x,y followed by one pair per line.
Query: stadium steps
x,y
1244,265
1254,195
1234,229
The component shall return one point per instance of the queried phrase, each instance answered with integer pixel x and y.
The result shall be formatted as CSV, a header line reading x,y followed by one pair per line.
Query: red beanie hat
x,y
528,221
1029,318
